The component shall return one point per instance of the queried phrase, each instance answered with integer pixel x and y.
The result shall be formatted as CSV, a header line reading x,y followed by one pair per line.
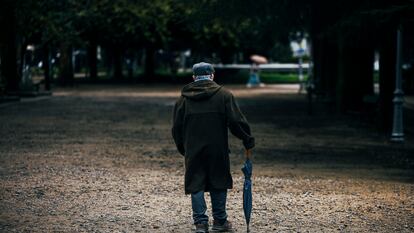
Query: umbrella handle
x,y
248,153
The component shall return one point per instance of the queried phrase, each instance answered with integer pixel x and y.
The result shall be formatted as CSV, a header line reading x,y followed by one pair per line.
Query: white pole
x,y
300,74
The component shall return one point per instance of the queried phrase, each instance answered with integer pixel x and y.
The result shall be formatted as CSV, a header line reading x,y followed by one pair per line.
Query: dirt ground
x,y
101,159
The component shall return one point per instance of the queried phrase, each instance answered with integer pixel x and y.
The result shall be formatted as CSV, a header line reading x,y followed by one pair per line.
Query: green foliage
x,y
262,26
207,26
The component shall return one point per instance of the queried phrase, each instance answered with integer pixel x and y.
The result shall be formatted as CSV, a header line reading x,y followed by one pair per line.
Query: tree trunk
x,y
365,60
10,67
46,66
131,64
355,74
149,62
93,60
329,68
317,60
343,53
117,63
9,64
107,58
387,78
66,76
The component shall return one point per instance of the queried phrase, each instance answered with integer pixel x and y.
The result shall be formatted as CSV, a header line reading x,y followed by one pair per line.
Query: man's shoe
x,y
201,228
225,227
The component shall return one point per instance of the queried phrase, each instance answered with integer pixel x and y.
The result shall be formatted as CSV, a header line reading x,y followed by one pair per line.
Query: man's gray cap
x,y
202,68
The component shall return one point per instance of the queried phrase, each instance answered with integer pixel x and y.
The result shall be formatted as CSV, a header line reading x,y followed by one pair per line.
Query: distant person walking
x,y
254,78
202,116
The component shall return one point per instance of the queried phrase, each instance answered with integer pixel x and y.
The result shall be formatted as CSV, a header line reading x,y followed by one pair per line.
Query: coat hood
x,y
200,90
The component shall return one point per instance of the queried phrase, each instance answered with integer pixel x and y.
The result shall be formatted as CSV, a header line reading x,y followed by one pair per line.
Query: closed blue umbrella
x,y
247,190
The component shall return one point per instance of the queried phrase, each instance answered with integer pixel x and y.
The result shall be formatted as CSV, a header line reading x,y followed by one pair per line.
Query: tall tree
x,y
9,67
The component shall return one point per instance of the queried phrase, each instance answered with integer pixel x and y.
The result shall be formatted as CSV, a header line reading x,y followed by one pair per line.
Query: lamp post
x,y
397,125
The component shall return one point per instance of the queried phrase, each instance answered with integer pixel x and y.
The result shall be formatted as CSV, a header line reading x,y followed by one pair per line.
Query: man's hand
x,y
248,153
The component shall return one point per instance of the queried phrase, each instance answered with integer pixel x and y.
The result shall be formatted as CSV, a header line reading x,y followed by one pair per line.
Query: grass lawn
x,y
265,77
280,77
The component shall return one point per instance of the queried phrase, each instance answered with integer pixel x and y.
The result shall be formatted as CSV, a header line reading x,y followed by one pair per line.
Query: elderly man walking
x,y
202,115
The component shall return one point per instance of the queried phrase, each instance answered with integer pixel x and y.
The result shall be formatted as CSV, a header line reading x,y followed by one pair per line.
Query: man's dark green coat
x,y
201,118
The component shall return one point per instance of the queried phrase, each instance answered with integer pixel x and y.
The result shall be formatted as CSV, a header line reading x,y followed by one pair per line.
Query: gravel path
x,y
101,159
